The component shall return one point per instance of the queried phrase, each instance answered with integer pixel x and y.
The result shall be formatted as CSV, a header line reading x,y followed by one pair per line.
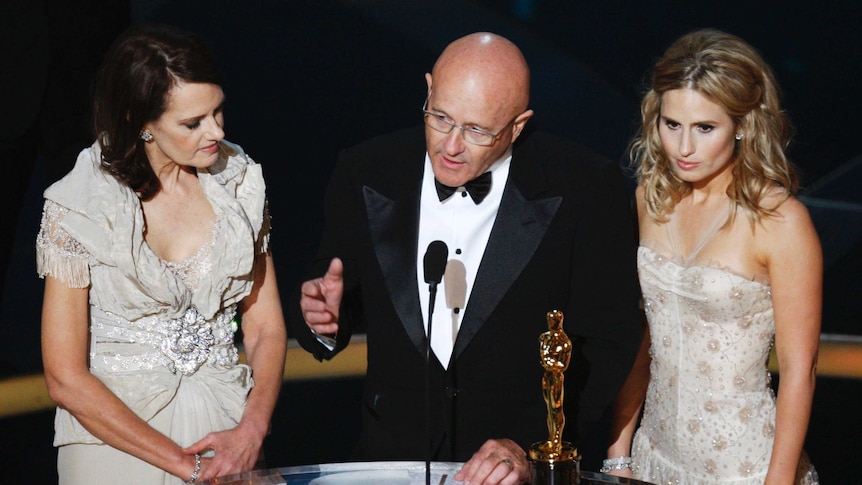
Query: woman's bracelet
x,y
619,463
194,475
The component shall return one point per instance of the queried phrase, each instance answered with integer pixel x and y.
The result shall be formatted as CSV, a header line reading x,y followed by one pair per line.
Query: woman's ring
x,y
508,463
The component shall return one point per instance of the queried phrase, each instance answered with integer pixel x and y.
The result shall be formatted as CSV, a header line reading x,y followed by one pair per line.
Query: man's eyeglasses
x,y
470,134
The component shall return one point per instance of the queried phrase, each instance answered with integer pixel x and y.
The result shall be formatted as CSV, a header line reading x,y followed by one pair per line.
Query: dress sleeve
x,y
59,254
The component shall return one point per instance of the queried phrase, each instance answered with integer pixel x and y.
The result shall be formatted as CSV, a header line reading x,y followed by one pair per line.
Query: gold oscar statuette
x,y
554,461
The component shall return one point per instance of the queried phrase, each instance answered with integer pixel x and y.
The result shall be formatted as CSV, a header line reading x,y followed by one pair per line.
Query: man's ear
x,y
520,122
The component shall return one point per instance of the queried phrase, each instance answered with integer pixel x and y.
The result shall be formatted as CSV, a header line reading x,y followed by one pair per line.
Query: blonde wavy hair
x,y
729,72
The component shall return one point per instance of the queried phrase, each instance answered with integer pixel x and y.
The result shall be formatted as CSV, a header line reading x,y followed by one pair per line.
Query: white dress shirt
x,y
465,228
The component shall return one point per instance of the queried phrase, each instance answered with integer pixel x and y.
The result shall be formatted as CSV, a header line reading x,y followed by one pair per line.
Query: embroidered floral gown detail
x,y
709,414
161,333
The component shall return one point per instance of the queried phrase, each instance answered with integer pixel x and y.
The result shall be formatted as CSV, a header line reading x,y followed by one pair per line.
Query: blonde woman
x,y
730,265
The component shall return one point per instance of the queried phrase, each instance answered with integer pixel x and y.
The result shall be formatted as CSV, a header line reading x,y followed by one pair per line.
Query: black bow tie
x,y
478,188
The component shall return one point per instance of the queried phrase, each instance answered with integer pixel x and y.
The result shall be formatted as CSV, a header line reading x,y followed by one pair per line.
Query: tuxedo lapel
x,y
520,226
394,226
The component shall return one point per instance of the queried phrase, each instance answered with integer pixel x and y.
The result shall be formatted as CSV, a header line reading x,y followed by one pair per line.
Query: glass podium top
x,y
375,473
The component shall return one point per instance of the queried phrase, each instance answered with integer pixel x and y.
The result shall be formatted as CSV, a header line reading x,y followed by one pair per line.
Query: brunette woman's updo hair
x,y
131,89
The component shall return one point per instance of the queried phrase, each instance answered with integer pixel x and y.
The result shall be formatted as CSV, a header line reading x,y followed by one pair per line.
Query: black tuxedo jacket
x,y
564,239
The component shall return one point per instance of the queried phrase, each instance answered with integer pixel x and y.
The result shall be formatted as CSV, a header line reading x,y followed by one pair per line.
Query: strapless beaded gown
x,y
709,414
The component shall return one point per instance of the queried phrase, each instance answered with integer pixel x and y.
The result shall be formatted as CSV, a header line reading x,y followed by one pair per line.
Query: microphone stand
x,y
432,288
435,265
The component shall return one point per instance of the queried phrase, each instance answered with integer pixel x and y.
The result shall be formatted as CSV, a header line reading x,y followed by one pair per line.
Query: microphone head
x,y
435,261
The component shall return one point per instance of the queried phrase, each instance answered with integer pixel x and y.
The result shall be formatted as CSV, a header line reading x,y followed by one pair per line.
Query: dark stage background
x,y
305,79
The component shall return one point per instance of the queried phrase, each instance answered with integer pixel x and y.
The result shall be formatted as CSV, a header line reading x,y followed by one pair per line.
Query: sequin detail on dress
x,y
183,344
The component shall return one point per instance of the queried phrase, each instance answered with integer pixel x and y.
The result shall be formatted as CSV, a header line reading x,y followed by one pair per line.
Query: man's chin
x,y
453,174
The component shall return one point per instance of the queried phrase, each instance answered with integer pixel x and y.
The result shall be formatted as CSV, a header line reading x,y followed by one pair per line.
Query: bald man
x,y
532,224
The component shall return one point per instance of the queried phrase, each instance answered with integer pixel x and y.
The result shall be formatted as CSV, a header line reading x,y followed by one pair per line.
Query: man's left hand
x,y
497,462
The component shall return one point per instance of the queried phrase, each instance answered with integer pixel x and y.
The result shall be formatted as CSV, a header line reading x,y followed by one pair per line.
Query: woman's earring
x,y
738,136
147,136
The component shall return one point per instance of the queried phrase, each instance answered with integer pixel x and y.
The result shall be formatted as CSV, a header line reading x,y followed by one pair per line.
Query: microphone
x,y
435,265
435,260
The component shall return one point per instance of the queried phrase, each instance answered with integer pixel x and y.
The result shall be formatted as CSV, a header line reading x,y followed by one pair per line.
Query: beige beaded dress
x,y
161,333
709,414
